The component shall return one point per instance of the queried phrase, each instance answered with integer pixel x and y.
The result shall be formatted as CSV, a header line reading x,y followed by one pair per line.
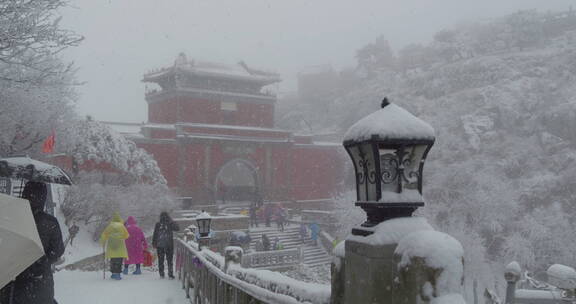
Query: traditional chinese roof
x,y
239,71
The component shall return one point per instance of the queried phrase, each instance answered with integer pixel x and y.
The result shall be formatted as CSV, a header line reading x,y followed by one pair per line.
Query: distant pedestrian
x,y
163,241
267,214
35,285
278,244
253,215
265,242
303,233
259,246
136,245
112,239
72,232
280,218
314,231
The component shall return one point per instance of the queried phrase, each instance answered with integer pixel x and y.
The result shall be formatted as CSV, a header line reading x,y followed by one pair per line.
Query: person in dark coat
x,y
162,240
35,285
267,214
280,218
253,215
265,242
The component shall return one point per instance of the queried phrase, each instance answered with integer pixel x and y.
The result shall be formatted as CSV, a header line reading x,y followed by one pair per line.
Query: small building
x,y
211,129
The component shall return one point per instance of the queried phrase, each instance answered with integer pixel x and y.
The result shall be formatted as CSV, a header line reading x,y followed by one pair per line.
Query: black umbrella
x,y
25,168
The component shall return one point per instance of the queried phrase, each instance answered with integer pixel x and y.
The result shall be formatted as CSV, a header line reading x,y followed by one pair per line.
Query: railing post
x,y
232,255
512,275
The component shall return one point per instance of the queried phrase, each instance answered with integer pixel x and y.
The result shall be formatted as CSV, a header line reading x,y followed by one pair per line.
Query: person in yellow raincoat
x,y
112,239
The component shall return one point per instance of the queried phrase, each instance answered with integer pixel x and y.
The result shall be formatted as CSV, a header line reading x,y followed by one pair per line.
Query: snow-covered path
x,y
73,287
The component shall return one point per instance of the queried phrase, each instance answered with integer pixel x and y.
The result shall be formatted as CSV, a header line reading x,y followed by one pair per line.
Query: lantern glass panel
x,y
360,172
371,175
412,162
388,169
204,226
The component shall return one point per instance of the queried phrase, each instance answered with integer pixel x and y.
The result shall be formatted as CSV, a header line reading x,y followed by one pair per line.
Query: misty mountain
x,y
501,96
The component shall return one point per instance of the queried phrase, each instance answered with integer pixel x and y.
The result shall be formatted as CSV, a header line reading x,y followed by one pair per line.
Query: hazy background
x,y
126,38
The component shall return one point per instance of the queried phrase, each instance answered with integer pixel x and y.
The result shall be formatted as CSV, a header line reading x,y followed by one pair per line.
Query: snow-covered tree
x,y
36,92
91,205
89,140
30,110
30,36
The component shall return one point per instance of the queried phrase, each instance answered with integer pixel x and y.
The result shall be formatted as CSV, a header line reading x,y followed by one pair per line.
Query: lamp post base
x,y
377,213
203,242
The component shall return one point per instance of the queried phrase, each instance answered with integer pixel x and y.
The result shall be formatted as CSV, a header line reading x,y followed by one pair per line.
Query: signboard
x,y
238,150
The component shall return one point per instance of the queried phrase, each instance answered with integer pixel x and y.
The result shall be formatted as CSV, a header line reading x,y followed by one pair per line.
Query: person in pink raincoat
x,y
136,244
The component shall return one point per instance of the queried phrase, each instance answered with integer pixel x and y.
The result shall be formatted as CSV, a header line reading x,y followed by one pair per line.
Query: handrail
x,y
205,272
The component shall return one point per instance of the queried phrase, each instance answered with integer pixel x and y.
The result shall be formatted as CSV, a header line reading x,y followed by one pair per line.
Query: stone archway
x,y
236,183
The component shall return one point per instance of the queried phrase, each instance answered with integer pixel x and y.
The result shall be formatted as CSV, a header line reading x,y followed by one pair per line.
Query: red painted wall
x,y
164,112
166,155
316,172
194,110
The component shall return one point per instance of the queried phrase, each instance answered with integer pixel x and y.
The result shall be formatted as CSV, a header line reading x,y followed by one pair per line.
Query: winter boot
x,y
137,271
116,276
162,275
125,271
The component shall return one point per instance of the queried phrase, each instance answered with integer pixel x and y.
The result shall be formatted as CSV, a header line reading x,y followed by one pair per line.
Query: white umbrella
x,y
20,245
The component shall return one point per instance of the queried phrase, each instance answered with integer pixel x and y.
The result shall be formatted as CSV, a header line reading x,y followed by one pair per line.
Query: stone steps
x,y
313,255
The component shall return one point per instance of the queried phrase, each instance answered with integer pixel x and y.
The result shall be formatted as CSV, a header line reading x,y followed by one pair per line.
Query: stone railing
x,y
560,288
273,259
208,277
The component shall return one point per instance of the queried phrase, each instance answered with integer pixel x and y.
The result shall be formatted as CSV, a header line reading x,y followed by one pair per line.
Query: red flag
x,y
48,146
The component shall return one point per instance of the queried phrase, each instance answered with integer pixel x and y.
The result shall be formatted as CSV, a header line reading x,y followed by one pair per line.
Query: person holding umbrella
x,y
112,239
35,285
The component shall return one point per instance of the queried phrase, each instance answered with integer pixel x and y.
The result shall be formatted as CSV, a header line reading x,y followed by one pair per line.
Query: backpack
x,y
164,235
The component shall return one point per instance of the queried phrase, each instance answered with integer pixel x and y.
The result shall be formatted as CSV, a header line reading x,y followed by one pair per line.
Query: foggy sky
x,y
126,38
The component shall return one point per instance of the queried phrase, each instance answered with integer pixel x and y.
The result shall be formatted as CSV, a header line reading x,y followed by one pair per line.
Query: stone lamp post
x,y
388,149
393,258
203,220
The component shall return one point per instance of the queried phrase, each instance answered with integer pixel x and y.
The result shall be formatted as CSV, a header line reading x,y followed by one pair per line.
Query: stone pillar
x,y
232,254
369,271
512,275
338,271
430,267
404,261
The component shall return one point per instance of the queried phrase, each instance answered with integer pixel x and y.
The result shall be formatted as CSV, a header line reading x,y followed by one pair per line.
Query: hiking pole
x,y
104,258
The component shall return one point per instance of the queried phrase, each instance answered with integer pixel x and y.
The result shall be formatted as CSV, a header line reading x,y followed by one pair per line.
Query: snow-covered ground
x,y
91,288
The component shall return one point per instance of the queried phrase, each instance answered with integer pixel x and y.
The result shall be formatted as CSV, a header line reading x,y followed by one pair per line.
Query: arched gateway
x,y
211,130
237,183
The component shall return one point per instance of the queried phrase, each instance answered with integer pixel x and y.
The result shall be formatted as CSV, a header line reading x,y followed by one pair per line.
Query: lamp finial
x,y
385,102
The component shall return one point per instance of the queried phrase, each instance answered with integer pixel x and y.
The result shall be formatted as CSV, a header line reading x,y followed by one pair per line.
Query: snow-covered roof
x,y
123,127
390,122
229,127
239,71
203,215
